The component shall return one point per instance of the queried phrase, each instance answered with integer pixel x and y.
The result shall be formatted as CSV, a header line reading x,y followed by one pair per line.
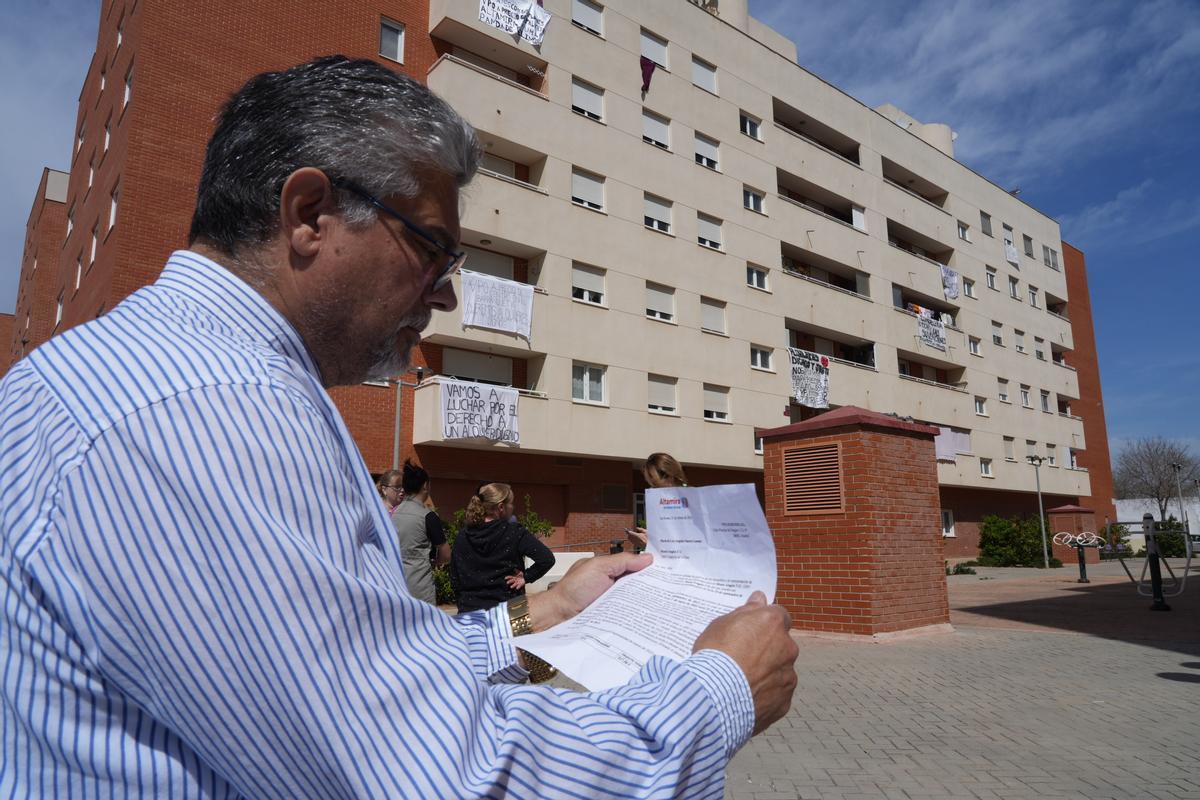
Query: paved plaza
x,y
1046,689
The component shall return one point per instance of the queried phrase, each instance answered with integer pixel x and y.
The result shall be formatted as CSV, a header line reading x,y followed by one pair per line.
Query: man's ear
x,y
306,203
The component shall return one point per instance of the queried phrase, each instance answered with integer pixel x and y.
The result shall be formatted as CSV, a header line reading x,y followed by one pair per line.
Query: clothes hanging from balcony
x,y
944,444
949,283
496,303
507,15
931,331
534,29
647,72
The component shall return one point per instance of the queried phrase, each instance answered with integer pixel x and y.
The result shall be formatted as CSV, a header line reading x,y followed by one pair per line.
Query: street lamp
x,y
400,384
1037,474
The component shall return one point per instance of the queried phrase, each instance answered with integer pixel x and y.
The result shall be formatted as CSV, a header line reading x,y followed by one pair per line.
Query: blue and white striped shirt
x,y
202,597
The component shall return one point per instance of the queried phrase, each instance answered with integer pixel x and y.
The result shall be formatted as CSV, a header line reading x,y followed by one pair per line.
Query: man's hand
x,y
584,582
756,637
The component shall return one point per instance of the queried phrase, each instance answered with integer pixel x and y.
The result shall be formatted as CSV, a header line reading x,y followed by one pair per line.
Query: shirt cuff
x,y
730,693
503,665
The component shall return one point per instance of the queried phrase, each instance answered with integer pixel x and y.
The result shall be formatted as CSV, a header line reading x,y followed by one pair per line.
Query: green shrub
x,y
1015,542
1171,543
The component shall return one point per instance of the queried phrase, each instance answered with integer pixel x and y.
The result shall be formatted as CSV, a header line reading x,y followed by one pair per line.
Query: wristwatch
x,y
518,619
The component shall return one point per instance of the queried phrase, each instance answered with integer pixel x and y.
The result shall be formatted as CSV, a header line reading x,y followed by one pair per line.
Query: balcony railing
x,y
824,214
815,143
523,184
954,387
937,264
811,279
484,71
908,191
436,379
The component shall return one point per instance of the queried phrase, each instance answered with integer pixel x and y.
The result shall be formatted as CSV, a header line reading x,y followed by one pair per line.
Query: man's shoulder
x,y
144,352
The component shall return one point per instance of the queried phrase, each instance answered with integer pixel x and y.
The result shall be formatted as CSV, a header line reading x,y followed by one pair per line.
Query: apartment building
x,y
687,203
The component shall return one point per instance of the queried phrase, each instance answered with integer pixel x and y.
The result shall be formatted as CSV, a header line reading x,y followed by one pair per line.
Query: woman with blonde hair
x,y
660,470
391,489
487,565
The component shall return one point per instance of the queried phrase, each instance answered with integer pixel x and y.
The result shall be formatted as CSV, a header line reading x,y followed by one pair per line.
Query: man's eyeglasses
x,y
455,262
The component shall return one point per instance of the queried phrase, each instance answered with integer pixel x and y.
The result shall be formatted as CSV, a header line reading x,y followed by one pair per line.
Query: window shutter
x,y
589,98
660,299
704,75
657,208
660,391
588,14
654,48
479,366
716,399
712,315
655,127
489,263
588,278
587,187
709,228
706,147
812,479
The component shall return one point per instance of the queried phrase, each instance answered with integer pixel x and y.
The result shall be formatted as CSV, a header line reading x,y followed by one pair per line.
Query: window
x,y
656,130
587,383
112,208
1002,389
654,48
981,406
751,126
1039,348
91,172
70,221
95,239
708,231
391,40
1010,451
587,189
1019,340
1072,458
1010,249
947,523
752,199
78,272
490,162
1025,396
969,287
79,140
1030,449
58,310
760,357
107,134
997,334
588,15
1045,401
985,222
587,99
121,31
1028,242
964,231
1014,288
1033,297
991,278
103,78
1051,455
716,403
707,151
657,215
128,87
758,445
660,394
587,284
756,277
985,467
712,315
1054,259
1046,255
704,75
660,302
973,345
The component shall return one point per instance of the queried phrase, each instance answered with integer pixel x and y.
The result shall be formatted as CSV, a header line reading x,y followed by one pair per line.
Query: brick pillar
x,y
1074,520
875,564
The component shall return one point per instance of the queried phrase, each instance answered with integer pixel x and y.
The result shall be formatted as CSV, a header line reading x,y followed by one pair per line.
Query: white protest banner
x,y
810,378
949,283
507,15
932,332
496,303
535,25
478,410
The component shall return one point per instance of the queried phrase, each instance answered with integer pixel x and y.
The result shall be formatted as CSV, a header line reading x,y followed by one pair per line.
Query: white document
x,y
496,303
711,548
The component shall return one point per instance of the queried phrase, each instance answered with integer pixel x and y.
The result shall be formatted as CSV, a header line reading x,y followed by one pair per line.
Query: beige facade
x,y
858,212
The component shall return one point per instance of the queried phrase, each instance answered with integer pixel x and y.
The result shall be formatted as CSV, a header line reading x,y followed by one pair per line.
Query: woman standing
x,y
390,489
488,564
420,532
660,470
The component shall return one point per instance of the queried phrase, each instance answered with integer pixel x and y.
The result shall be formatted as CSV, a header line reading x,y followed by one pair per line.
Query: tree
x,y
1143,468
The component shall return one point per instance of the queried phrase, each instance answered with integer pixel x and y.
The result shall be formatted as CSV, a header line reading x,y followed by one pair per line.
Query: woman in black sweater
x,y
487,565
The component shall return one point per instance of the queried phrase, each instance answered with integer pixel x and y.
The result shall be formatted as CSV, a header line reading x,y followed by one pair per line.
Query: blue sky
x,y
1091,107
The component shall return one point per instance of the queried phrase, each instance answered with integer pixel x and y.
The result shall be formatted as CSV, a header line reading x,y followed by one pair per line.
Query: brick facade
x,y
875,567
38,286
970,506
6,332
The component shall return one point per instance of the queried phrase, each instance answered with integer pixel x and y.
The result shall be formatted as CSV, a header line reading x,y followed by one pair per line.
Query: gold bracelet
x,y
518,620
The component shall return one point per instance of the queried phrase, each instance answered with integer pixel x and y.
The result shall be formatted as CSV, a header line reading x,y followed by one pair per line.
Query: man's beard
x,y
386,360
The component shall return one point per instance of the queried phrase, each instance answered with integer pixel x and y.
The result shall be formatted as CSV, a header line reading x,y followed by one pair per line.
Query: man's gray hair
x,y
356,121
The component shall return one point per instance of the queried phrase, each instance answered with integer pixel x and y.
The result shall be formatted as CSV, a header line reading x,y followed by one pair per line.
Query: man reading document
x,y
179,622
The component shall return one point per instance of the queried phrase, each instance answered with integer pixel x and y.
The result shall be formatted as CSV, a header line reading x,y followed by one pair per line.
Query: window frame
x,y
764,353
766,277
748,122
400,30
587,368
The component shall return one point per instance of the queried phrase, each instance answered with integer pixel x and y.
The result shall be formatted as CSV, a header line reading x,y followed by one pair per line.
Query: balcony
x,y
913,302
456,22
820,200
913,184
929,370
446,328
494,103
918,245
797,123
842,347
808,266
